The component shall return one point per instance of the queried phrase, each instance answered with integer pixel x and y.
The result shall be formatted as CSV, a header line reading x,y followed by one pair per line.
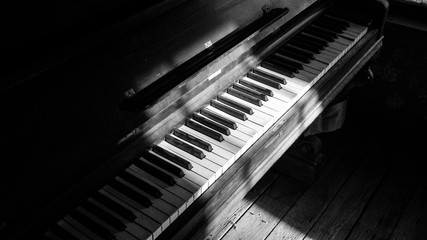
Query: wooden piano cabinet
x,y
68,116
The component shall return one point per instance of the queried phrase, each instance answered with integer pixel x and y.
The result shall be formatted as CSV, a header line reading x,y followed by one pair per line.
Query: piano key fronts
x,y
159,186
238,114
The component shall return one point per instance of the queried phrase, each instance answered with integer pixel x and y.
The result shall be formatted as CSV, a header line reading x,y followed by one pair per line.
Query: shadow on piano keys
x,y
207,138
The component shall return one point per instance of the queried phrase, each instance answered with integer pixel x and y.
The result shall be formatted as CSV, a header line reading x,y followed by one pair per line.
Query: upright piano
x,y
155,126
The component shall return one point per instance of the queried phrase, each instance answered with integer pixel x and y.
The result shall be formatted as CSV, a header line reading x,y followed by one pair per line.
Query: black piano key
x,y
235,105
204,130
144,201
250,92
287,62
290,48
229,110
277,68
244,97
339,24
318,33
218,118
282,59
282,63
44,236
335,20
305,46
144,186
172,157
312,39
162,176
117,208
164,165
318,44
209,123
265,78
185,147
327,31
62,233
193,140
256,87
328,26
105,216
92,225
323,33
291,52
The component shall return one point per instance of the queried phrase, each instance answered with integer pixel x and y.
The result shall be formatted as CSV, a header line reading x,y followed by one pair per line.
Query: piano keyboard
x,y
149,195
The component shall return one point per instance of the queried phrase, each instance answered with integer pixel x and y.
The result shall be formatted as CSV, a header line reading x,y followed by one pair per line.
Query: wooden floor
x,y
373,184
371,188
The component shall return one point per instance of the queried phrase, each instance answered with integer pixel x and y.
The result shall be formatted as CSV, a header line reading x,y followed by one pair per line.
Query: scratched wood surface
x,y
371,189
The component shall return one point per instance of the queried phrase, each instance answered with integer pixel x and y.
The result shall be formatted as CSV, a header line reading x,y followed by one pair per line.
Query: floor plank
x,y
413,223
220,225
389,202
267,211
301,217
346,207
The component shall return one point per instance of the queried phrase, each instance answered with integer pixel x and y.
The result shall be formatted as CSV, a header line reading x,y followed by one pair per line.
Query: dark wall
x,y
31,29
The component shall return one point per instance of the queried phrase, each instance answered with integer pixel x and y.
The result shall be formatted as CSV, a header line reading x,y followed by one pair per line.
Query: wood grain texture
x,y
413,223
234,211
382,214
267,211
304,214
338,218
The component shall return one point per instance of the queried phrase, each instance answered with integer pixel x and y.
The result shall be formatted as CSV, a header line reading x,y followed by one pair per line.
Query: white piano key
x,y
310,69
241,124
213,157
80,227
176,189
151,212
258,120
343,40
238,133
356,28
119,235
168,197
281,94
197,167
267,113
254,121
302,77
227,150
275,104
142,220
131,227
332,50
336,47
204,167
294,82
200,183
316,65
307,74
157,203
226,146
51,235
70,229
321,58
